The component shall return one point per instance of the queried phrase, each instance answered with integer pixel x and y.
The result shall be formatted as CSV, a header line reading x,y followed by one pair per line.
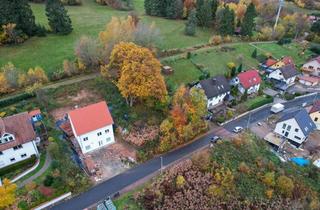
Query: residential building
x,y
315,113
295,126
92,126
17,139
271,65
308,81
312,67
284,77
35,115
248,81
216,89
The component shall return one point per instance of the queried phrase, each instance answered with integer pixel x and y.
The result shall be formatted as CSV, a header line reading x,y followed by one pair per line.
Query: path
x,y
39,173
121,181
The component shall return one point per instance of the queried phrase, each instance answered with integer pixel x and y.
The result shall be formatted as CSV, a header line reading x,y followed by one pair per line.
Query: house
x,y
271,65
312,67
17,139
295,126
92,126
216,89
308,81
284,76
248,81
315,113
267,64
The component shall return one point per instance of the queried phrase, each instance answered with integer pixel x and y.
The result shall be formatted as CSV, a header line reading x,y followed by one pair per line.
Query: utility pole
x,y
161,164
281,4
249,120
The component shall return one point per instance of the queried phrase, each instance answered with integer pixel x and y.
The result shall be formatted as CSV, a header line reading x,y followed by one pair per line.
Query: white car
x,y
238,129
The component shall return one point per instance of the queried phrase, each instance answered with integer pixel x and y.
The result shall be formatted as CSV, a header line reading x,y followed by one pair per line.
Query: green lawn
x,y
292,50
127,202
88,19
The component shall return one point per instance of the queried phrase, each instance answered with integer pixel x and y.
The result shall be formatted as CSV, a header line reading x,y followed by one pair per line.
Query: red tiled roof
x,y
249,78
287,60
309,79
90,118
34,112
18,125
315,107
270,62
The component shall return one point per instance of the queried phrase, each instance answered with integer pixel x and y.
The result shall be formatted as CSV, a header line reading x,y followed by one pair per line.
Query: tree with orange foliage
x,y
4,86
7,194
139,73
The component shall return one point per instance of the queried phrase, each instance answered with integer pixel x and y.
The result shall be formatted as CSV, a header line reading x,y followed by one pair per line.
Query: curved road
x,y
117,183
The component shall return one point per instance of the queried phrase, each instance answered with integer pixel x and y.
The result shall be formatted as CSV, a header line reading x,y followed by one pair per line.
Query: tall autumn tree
x,y
139,73
248,23
7,194
18,12
191,24
58,18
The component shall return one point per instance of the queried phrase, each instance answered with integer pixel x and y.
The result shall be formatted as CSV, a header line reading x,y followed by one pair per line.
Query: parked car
x,y
238,129
214,139
277,108
259,123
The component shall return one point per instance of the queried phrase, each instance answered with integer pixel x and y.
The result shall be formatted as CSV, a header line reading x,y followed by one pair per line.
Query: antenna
x,y
281,4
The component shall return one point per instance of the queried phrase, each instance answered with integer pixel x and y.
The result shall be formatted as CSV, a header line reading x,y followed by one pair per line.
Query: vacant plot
x,y
88,19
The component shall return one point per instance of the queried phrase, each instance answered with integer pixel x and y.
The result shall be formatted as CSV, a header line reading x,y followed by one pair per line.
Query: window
x,y
23,155
88,147
100,143
12,159
284,126
107,131
296,130
289,128
17,147
85,139
108,139
99,134
316,119
297,137
1,153
10,138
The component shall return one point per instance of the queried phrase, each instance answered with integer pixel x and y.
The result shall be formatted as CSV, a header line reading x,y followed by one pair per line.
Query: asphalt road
x,y
115,184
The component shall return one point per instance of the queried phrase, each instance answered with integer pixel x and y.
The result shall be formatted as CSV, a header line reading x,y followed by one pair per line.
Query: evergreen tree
x,y
226,21
204,12
239,70
248,23
148,6
316,27
214,8
20,13
191,24
233,71
254,53
156,7
59,21
174,9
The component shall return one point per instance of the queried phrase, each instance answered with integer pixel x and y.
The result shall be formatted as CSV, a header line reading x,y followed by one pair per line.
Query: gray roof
x,y
289,71
303,119
215,86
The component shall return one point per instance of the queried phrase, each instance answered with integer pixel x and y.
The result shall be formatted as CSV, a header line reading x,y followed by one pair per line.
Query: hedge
x,y
261,103
28,162
15,99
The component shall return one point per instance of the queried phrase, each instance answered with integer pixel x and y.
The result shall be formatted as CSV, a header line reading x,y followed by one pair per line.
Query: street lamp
x,y
281,4
161,164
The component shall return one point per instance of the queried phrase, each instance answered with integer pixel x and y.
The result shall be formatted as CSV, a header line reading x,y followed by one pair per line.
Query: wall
x,y
29,149
314,116
216,100
292,133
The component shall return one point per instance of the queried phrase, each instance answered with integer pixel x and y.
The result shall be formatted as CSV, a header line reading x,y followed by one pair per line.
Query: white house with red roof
x,y
248,81
17,139
92,126
312,67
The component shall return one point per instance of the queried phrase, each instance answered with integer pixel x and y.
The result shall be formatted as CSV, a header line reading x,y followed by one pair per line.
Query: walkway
x,y
46,165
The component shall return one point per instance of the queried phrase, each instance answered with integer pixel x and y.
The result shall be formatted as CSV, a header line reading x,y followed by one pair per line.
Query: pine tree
x,y
226,22
239,70
214,8
148,6
204,12
191,24
18,12
59,21
174,9
248,23
156,7
254,53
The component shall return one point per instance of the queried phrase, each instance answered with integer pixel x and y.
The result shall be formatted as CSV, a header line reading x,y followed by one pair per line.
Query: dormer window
x,y
6,138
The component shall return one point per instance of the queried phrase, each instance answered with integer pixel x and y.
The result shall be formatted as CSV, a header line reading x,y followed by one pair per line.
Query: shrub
x,y
71,2
180,181
23,205
315,48
48,181
216,40
231,65
117,4
70,68
285,186
10,35
15,99
227,39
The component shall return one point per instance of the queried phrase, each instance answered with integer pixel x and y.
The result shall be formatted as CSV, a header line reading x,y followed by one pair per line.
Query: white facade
x,y
212,102
277,75
251,90
307,83
18,153
312,66
95,139
290,130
